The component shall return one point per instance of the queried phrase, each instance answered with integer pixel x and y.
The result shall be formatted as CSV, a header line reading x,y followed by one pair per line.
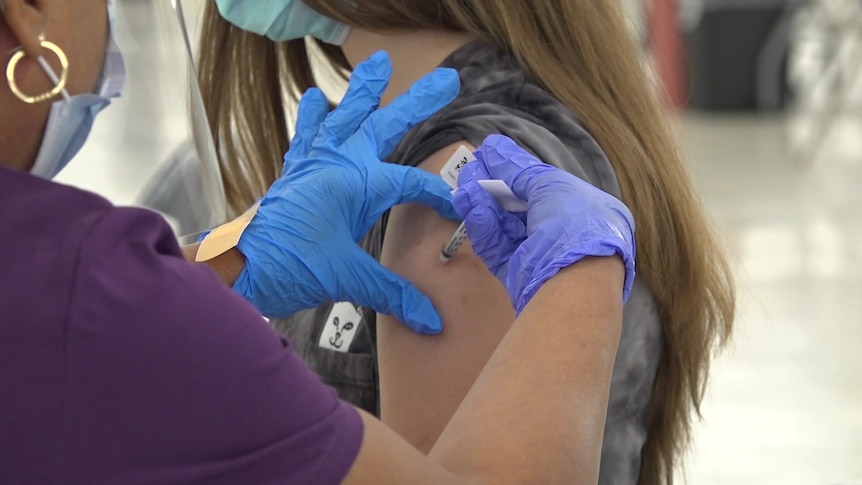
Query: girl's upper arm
x,y
424,379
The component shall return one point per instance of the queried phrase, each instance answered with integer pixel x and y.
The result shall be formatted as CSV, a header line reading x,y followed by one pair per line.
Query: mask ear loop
x,y
59,81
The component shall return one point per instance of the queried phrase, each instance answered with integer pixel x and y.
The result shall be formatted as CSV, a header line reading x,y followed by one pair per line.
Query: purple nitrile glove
x,y
568,220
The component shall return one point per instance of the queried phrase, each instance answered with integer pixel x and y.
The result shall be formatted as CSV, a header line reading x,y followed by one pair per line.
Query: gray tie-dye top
x,y
339,340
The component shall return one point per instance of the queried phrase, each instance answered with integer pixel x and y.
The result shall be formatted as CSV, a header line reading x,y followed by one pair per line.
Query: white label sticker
x,y
504,195
341,327
453,167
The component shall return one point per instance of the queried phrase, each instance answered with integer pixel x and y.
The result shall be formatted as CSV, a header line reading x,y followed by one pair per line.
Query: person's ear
x,y
26,21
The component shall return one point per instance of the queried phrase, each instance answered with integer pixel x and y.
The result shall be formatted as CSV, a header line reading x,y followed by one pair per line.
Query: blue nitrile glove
x,y
568,220
301,246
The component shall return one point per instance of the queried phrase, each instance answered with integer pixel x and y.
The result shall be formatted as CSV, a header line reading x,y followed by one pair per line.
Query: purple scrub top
x,y
121,363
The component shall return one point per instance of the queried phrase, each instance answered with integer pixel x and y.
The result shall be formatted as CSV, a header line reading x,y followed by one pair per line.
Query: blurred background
x,y
768,99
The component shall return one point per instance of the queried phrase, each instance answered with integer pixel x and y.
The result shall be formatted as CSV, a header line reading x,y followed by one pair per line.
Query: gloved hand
x,y
568,220
301,246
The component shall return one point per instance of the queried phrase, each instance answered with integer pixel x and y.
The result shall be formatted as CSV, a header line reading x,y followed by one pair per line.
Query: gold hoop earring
x,y
61,82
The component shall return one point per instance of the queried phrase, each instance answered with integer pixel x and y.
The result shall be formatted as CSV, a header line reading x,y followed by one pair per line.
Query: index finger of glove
x,y
425,98
385,292
367,85
414,185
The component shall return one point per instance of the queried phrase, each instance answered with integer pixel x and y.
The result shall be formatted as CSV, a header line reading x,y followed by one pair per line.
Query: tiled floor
x,y
785,404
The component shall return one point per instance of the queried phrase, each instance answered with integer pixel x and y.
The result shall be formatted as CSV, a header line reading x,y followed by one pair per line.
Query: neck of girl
x,y
414,54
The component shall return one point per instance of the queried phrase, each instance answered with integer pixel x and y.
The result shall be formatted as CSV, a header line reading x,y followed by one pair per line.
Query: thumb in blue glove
x,y
301,246
568,220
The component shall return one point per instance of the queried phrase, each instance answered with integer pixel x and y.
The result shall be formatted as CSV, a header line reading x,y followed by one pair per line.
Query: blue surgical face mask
x,y
71,118
282,20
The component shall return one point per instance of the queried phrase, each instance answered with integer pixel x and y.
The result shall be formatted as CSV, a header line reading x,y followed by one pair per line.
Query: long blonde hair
x,y
582,53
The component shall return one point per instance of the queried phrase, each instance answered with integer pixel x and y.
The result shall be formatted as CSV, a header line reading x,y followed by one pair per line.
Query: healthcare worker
x,y
121,362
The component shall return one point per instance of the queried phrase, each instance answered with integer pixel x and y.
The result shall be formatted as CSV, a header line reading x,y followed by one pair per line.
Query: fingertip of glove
x,y
497,140
444,82
311,94
500,148
313,99
422,317
430,330
379,64
379,56
430,325
448,76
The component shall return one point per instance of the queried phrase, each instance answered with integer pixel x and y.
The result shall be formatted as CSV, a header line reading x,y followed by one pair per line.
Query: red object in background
x,y
668,51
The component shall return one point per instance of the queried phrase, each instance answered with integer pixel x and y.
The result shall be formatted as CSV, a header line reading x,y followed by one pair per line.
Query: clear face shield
x,y
152,147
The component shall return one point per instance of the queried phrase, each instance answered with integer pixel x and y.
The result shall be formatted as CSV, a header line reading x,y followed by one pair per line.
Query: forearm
x,y
537,412
190,252
228,266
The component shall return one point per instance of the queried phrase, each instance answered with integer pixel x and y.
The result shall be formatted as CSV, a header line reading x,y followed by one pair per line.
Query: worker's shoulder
x,y
44,225
34,206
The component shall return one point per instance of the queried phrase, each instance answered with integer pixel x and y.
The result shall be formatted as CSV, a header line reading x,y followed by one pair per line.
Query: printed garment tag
x,y
453,167
225,237
341,327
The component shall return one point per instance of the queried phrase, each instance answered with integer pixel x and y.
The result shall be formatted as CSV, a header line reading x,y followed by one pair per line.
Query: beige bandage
x,y
225,237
